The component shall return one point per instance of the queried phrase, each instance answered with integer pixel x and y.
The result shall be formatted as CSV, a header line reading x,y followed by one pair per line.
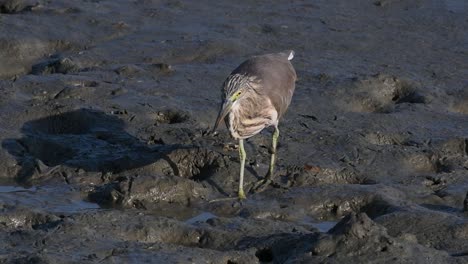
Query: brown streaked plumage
x,y
255,96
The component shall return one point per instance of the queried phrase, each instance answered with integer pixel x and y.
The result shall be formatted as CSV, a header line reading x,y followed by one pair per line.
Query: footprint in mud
x,y
171,117
204,166
380,94
171,127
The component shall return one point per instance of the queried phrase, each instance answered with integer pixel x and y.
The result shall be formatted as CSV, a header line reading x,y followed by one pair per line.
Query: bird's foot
x,y
261,185
241,195
235,199
223,199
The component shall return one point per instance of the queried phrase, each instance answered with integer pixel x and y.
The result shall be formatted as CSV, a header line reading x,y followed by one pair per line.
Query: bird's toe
x,y
261,185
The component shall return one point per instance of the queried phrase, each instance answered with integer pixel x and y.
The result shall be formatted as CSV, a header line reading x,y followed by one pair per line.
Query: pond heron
x,y
255,96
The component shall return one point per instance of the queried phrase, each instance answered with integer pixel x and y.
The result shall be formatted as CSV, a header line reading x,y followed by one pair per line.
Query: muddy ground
x,y
106,155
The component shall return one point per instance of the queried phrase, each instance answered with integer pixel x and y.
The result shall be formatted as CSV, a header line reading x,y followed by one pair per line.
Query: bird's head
x,y
235,87
229,101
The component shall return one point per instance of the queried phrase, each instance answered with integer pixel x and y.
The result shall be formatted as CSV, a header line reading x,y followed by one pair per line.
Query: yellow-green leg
x,y
242,157
263,183
273,154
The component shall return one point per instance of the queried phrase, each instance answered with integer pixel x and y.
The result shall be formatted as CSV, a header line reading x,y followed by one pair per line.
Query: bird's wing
x,y
276,75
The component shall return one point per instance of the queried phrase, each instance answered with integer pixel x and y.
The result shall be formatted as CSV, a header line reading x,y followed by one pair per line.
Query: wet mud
x,y
107,155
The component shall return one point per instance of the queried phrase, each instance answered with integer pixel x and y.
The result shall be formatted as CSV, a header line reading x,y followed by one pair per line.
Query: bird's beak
x,y
227,105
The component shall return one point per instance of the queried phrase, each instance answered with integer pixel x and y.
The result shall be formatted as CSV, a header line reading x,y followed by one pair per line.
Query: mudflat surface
x,y
106,155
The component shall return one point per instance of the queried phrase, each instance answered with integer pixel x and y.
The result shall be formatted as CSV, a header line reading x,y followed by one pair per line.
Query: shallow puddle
x,y
60,199
200,218
324,226
11,189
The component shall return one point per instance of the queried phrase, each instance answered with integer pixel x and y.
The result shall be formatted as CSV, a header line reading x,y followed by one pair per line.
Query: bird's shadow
x,y
82,139
253,172
253,149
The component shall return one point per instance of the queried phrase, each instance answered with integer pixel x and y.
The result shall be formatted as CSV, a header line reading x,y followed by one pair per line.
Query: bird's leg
x,y
273,154
267,180
242,156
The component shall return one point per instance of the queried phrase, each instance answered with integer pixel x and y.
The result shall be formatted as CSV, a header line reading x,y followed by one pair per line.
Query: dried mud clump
x,y
15,217
144,192
311,175
371,205
421,163
454,147
382,139
182,176
380,94
357,235
55,65
333,201
459,101
129,71
356,238
429,228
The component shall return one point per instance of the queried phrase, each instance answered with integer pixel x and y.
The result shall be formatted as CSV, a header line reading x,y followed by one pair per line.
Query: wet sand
x,y
106,108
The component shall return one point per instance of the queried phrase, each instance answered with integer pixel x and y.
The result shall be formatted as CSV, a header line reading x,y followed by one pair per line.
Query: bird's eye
x,y
236,95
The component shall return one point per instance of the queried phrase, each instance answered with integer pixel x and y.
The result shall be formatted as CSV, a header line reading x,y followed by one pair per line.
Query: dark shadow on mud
x,y
86,140
82,139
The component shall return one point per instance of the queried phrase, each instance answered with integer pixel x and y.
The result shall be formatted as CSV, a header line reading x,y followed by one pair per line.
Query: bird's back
x,y
277,77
